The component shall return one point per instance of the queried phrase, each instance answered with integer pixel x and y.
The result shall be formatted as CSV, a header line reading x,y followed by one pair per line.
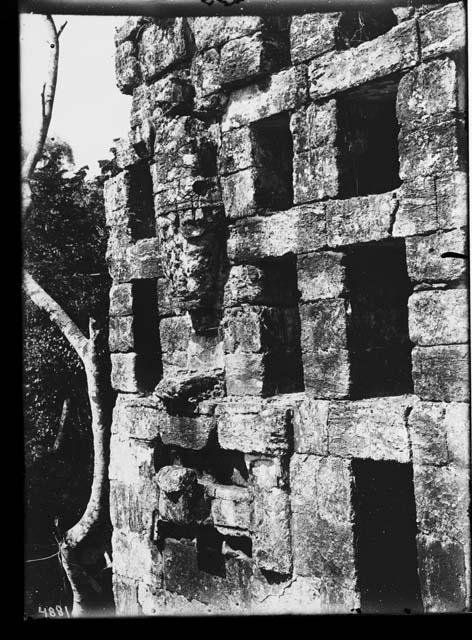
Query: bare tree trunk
x,y
83,547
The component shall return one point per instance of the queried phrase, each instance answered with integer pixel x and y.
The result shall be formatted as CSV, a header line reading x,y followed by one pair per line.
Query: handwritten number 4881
x,y
55,612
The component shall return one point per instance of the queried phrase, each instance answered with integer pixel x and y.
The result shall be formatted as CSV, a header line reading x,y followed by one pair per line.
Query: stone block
x,y
428,436
297,230
441,373
245,373
175,337
266,473
215,32
131,461
144,259
315,126
248,57
374,428
245,284
312,35
439,257
255,425
239,192
310,426
429,203
442,500
173,93
125,596
360,219
127,69
396,50
327,373
136,557
133,507
442,31
190,432
433,89
436,147
124,372
441,574
121,334
280,92
323,325
178,486
315,174
321,275
125,155
439,317
121,299
231,508
236,151
272,548
129,29
163,45
205,73
116,192
457,423
135,417
322,535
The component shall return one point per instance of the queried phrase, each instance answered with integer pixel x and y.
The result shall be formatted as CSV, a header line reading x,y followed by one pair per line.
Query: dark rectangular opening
x,y
385,536
142,220
368,140
146,333
273,157
356,27
283,364
377,334
210,556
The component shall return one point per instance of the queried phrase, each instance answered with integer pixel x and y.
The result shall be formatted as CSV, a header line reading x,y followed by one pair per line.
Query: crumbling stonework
x,y
289,315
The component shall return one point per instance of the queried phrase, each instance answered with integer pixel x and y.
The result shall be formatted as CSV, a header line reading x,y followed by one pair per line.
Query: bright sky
x,y
89,111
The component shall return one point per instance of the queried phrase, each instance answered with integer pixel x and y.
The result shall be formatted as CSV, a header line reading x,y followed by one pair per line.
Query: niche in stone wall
x,y
385,536
273,155
146,334
377,336
142,220
368,139
356,27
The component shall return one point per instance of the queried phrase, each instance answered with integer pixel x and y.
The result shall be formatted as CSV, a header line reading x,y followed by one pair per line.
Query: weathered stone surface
x,y
315,174
125,155
441,495
178,487
231,507
322,535
205,72
324,325
457,423
436,147
245,373
236,151
327,373
116,192
125,596
272,548
133,507
121,335
255,425
310,426
173,93
127,70
123,372
428,435
360,219
373,428
248,57
173,479
121,300
442,31
267,473
131,461
214,32
440,257
314,126
311,35
441,373
298,230
439,317
163,45
320,275
191,432
394,51
136,557
144,259
434,88
429,203
282,91
129,29
441,574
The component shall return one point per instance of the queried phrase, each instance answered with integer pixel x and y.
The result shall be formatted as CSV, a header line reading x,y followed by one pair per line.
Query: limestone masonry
x,y
289,315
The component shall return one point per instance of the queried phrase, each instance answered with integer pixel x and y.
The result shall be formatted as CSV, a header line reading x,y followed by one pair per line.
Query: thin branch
x,y
49,91
69,329
61,29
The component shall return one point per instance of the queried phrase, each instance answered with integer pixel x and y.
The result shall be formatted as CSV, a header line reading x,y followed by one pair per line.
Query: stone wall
x,y
289,315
